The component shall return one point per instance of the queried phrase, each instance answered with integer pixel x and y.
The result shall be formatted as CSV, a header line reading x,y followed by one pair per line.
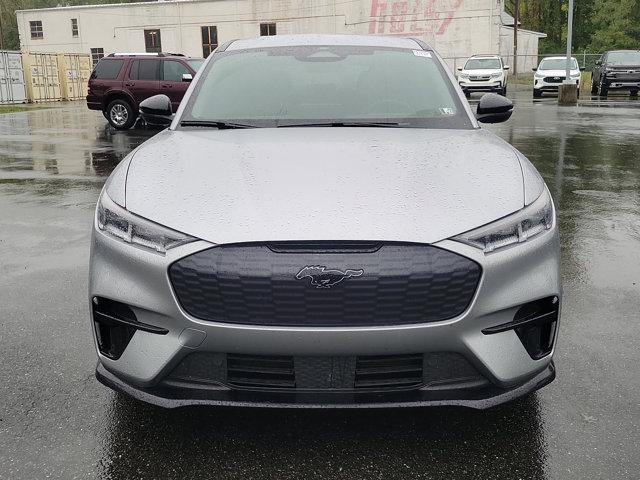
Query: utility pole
x,y
568,91
516,11
1,32
567,78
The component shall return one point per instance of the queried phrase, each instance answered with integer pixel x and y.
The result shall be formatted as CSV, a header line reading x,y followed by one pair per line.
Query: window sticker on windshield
x,y
422,53
446,111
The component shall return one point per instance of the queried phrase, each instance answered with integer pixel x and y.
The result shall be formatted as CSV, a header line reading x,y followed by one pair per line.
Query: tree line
x,y
599,25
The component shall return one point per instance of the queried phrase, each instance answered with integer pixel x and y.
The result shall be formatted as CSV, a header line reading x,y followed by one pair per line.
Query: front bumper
x,y
541,85
478,86
139,278
622,82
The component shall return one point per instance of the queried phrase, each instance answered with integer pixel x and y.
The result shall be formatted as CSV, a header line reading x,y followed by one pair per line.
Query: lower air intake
x,y
260,371
388,371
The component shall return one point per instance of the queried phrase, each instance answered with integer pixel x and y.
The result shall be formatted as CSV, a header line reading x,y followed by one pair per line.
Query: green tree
x,y
617,25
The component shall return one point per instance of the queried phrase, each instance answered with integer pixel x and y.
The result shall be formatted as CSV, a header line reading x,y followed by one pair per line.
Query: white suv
x,y
483,73
551,73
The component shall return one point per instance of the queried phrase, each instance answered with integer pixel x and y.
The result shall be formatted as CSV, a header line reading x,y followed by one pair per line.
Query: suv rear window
x,y
107,69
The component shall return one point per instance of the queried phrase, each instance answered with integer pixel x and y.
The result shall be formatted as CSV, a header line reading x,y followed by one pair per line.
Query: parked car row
x,y
121,81
615,70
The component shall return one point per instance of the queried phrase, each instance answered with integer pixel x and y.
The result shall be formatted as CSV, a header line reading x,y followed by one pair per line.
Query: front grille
x,y
260,371
479,78
321,373
355,284
553,79
384,371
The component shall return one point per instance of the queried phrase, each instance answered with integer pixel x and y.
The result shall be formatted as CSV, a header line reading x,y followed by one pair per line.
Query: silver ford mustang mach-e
x,y
325,224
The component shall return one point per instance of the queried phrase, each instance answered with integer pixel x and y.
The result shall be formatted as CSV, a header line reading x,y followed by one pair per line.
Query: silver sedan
x,y
325,224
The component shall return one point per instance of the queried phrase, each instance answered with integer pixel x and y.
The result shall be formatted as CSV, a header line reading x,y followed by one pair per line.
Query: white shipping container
x,y
12,86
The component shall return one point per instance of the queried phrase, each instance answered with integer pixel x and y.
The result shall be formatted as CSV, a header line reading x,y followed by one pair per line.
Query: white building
x,y
455,28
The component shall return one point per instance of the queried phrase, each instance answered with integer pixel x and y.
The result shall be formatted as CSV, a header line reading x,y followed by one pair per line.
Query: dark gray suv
x,y
616,70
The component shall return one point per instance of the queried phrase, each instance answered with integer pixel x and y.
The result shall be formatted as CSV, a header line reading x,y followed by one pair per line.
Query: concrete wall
x,y
455,28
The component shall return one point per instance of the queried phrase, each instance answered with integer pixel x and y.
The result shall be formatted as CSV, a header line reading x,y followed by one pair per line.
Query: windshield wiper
x,y
214,124
343,124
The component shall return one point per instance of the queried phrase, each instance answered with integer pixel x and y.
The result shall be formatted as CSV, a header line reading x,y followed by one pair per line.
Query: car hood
x,y
394,184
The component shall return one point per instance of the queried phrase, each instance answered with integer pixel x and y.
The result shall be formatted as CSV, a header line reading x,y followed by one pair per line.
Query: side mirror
x,y
187,77
582,69
156,111
494,108
506,67
534,69
459,69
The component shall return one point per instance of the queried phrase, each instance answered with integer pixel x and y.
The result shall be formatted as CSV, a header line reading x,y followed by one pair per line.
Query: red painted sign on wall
x,y
412,17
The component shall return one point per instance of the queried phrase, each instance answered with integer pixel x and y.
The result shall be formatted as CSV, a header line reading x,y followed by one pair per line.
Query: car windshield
x,y
334,85
195,63
624,58
557,64
483,63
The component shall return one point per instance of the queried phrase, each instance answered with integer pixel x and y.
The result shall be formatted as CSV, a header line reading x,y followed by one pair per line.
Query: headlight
x,y
116,221
539,75
575,75
496,75
463,75
519,227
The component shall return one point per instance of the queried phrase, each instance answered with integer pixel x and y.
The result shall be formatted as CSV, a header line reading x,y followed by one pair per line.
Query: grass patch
x,y
13,108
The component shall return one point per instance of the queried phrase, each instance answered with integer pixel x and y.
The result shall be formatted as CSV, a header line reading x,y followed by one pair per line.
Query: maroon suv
x,y
119,82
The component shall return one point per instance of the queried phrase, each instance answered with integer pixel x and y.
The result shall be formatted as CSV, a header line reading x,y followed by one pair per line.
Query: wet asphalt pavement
x,y
56,421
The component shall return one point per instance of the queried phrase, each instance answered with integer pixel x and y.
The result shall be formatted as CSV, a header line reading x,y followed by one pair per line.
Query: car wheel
x,y
467,94
503,92
603,89
120,114
594,88
537,93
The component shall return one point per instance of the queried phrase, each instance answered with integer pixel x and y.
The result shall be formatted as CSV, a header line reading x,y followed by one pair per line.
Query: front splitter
x,y
477,398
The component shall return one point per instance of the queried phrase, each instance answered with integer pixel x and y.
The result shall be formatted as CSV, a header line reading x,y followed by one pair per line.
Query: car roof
x,y
486,56
345,40
147,55
626,50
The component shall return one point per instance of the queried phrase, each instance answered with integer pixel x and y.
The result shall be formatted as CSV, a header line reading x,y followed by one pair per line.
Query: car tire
x,y
120,114
603,89
594,88
537,93
503,92
467,94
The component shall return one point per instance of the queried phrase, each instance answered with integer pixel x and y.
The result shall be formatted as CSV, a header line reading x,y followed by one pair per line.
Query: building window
x,y
74,27
209,40
36,28
267,29
96,55
152,41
